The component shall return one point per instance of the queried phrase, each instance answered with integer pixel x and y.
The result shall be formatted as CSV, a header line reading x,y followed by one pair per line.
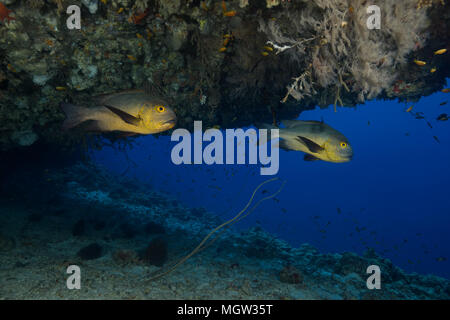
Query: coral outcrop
x,y
228,63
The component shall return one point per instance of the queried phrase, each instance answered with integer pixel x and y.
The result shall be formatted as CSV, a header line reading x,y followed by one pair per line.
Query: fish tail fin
x,y
74,115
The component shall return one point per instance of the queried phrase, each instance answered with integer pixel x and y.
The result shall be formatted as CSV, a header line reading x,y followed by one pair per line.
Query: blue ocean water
x,y
393,196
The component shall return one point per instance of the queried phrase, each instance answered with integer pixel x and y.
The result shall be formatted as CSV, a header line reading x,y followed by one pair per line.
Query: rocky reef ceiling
x,y
228,63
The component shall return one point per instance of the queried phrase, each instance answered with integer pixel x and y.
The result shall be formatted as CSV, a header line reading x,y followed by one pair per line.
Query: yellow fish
x,y
129,112
318,140
433,70
409,109
442,51
420,63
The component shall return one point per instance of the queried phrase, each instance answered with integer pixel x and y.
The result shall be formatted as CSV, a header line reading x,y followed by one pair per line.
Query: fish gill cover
x,y
148,228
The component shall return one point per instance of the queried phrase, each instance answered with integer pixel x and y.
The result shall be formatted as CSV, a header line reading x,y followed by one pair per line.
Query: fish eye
x,y
344,145
160,108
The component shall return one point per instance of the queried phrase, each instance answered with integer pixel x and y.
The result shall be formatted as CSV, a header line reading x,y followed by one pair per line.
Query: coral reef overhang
x,y
228,63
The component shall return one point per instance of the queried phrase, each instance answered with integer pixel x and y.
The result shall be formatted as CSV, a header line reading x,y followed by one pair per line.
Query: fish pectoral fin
x,y
311,145
128,118
309,157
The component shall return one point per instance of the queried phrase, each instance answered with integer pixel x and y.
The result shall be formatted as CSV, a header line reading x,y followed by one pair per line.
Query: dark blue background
x,y
393,196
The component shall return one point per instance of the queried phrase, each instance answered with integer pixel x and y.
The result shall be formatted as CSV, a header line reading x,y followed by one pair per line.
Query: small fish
x,y
228,36
229,13
132,58
433,70
267,48
224,6
442,117
318,140
446,90
265,54
429,124
437,139
61,88
409,109
226,42
419,117
420,63
441,51
441,259
120,10
129,112
223,49
443,103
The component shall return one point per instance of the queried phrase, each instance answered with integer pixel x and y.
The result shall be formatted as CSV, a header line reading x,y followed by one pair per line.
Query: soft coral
x,y
4,13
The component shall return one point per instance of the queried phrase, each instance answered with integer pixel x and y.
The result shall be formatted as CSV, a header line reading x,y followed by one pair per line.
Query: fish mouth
x,y
170,123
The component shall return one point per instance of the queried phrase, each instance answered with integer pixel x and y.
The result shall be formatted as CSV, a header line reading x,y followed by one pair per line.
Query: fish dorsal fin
x,y
297,123
309,157
128,118
311,145
291,123
103,99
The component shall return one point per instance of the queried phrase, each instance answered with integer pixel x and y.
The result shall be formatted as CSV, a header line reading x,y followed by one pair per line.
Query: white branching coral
x,y
332,41
301,87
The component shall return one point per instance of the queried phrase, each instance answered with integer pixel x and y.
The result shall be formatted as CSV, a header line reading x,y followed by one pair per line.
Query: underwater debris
x,y
90,252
